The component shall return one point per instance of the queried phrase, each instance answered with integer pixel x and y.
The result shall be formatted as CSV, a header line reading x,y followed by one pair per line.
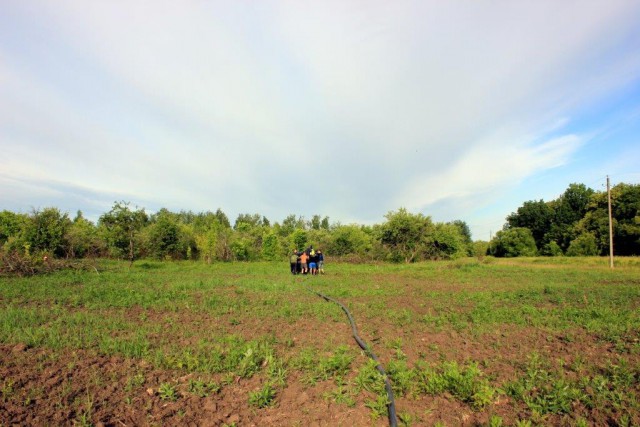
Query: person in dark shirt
x,y
294,260
320,261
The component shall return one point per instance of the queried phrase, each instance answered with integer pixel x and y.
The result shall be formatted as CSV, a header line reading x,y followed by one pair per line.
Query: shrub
x,y
583,245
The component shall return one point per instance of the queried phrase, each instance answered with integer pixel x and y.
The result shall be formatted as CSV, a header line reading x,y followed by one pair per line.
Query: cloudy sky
x,y
350,109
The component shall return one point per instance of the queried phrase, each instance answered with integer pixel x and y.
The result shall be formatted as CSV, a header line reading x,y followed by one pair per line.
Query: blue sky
x,y
458,110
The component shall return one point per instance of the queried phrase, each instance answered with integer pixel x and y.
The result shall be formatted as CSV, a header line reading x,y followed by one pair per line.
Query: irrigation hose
x,y
391,404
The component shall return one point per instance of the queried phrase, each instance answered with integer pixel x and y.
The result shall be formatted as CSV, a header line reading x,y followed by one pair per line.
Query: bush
x,y
551,249
513,242
583,245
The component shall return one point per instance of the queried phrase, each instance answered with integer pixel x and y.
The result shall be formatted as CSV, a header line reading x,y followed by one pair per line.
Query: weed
x,y
168,391
264,397
465,383
406,419
378,406
202,388
134,382
370,379
7,390
402,377
342,395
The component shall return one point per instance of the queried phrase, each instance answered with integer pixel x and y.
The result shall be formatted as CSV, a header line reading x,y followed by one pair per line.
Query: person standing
x,y
313,262
304,259
293,260
320,261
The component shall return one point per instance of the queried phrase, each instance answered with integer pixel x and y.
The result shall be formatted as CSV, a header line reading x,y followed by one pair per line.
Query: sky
x,y
459,110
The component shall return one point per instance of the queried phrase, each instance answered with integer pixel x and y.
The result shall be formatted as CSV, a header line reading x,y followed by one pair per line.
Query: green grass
x,y
241,320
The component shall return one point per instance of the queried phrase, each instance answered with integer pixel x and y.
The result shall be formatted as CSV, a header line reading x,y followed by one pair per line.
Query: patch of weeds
x,y
378,406
495,421
33,394
321,368
342,395
202,388
135,381
544,392
406,419
400,317
581,422
83,419
276,370
7,390
84,416
370,379
262,398
168,391
402,378
466,383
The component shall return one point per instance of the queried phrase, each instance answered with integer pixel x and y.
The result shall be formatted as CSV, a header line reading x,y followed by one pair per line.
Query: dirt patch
x,y
46,388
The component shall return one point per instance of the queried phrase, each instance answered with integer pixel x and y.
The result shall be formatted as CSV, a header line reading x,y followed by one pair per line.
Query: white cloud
x,y
341,108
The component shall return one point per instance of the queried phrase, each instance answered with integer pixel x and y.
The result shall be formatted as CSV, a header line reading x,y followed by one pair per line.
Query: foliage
x,y
583,245
271,247
551,249
42,232
83,239
349,239
480,248
10,225
403,233
299,239
537,216
446,241
122,225
513,242
576,223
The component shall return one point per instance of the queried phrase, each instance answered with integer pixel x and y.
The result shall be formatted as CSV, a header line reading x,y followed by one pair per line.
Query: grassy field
x,y
521,342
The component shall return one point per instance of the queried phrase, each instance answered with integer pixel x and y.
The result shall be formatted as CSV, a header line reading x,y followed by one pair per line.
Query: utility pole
x,y
610,224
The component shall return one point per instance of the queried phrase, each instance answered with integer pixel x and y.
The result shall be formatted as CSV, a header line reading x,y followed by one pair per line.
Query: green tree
x,y
480,248
349,239
465,232
10,225
247,221
290,224
625,203
583,245
240,249
404,234
446,241
163,236
513,242
551,249
299,239
568,209
122,225
271,247
537,216
45,230
83,239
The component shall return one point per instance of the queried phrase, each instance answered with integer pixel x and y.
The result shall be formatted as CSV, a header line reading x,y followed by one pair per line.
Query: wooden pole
x,y
610,224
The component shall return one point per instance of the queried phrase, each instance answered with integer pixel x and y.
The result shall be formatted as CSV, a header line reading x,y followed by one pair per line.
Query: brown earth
x,y
81,387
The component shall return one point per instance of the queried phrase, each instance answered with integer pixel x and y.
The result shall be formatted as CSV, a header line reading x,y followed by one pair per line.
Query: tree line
x,y
574,224
129,232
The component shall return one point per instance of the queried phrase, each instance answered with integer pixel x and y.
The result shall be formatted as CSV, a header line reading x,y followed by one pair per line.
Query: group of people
x,y
309,261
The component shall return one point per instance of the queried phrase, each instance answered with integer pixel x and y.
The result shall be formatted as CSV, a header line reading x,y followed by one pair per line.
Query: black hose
x,y
391,405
